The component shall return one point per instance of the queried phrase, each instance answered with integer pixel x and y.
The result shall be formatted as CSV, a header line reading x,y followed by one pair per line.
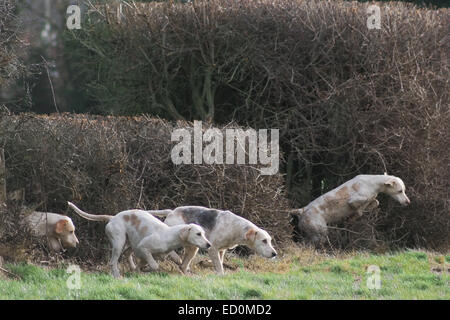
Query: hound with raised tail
x,y
224,229
149,238
354,196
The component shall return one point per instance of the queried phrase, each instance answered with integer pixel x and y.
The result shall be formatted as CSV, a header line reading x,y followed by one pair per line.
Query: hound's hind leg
x,y
316,230
215,258
117,240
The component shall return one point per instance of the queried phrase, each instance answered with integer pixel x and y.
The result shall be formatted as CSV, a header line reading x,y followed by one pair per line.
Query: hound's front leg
x,y
145,253
54,244
358,205
189,254
175,257
215,258
367,206
372,204
151,262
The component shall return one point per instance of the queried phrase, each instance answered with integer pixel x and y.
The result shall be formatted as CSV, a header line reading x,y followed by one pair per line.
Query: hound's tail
x,y
160,213
88,216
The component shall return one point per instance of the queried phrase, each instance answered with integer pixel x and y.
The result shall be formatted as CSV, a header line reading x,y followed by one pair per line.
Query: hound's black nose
x,y
274,254
208,246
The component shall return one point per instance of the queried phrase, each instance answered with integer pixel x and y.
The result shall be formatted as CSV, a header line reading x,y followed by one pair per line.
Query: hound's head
x,y
195,235
395,187
260,241
65,231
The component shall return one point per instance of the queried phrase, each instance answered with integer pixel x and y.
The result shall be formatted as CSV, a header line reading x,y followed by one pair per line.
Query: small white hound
x,y
354,196
59,229
149,238
224,229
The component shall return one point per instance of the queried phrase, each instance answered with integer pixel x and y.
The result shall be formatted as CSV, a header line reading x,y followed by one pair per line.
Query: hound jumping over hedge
x,y
149,238
354,196
224,229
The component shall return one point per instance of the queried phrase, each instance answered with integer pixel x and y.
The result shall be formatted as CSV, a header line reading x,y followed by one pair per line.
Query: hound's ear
x,y
184,233
390,183
251,235
60,226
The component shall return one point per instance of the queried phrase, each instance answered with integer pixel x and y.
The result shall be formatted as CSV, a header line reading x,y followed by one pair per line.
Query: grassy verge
x,y
301,274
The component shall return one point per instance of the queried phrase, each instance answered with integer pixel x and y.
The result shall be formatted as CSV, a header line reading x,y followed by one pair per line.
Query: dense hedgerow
x,y
109,164
346,99
10,65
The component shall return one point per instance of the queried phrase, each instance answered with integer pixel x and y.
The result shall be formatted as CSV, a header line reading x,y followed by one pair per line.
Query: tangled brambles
x,y
109,164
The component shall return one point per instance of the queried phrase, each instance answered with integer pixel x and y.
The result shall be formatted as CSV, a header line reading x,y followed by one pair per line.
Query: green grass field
x,y
300,274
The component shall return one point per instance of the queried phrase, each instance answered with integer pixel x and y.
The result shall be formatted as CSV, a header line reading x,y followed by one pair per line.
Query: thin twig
x,y
51,84
12,274
337,228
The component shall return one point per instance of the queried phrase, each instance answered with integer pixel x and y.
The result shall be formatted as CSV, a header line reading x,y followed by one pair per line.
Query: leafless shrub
x,y
10,66
109,164
346,99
